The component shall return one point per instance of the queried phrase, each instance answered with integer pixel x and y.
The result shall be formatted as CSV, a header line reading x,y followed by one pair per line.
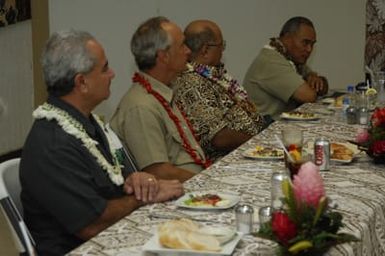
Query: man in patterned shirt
x,y
217,106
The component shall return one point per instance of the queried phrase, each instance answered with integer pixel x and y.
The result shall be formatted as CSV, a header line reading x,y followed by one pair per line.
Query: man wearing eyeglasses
x,y
279,80
214,102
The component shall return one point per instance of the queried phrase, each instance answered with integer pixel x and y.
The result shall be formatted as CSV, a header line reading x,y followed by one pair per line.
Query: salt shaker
x,y
244,218
264,215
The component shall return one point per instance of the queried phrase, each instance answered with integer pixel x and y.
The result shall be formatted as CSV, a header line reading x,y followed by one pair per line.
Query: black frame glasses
x,y
221,44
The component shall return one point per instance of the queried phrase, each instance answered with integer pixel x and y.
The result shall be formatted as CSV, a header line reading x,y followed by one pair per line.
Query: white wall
x,y
246,25
16,85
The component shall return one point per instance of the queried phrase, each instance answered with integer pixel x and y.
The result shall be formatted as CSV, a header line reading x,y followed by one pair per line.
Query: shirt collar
x,y
75,113
160,87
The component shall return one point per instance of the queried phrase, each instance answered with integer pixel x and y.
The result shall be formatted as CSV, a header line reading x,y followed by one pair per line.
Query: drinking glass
x,y
292,139
379,85
295,165
276,188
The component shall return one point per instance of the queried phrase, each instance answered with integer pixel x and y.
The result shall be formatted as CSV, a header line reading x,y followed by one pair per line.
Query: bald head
x,y
200,35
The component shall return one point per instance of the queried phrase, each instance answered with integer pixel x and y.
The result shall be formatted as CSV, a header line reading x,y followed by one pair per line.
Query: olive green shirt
x,y
271,80
147,130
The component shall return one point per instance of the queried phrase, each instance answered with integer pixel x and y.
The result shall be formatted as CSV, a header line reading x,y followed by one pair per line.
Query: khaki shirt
x,y
147,130
270,82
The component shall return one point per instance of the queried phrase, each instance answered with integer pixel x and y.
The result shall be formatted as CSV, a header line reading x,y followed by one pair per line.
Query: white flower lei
x,y
76,129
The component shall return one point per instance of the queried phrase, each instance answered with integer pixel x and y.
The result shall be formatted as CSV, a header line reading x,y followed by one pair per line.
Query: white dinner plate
x,y
291,116
256,154
328,101
153,245
232,200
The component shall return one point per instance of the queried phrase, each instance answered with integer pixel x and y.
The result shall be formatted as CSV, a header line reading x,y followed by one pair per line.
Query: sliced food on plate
x,y
206,200
261,152
342,152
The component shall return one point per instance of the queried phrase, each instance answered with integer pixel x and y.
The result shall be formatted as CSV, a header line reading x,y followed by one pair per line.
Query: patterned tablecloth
x,y
358,188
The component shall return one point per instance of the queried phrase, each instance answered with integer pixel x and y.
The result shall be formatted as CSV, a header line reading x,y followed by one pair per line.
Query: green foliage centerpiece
x,y
305,225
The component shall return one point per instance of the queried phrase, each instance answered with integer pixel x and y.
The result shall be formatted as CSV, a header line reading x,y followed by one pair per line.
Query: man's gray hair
x,y
293,24
147,40
65,55
196,40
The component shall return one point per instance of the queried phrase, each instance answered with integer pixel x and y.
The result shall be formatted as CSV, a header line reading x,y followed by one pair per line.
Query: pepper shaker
x,y
244,218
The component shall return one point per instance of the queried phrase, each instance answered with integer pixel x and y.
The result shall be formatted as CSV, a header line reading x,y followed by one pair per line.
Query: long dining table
x,y
357,188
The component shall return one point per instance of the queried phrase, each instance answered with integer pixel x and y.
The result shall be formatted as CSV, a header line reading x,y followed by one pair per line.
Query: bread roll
x,y
185,234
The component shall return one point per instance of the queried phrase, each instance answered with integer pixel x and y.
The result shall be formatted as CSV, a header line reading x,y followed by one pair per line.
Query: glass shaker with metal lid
x,y
244,216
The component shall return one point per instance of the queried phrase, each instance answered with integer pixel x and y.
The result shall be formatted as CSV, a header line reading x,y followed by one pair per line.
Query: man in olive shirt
x,y
279,80
157,133
73,183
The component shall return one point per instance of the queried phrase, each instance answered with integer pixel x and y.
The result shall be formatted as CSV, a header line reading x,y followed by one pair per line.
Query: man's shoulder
x,y
136,96
270,55
48,135
189,81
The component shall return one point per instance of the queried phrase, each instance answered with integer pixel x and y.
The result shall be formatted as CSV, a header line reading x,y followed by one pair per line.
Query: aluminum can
x,y
322,153
244,217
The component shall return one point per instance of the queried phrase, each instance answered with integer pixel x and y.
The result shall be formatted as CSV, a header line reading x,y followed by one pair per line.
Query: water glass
x,y
379,85
276,188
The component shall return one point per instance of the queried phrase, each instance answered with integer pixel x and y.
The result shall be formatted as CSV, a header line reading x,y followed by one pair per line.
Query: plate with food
x,y
299,116
264,153
342,152
207,200
183,236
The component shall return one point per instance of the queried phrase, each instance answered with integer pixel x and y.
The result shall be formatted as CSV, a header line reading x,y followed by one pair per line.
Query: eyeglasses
x,y
221,44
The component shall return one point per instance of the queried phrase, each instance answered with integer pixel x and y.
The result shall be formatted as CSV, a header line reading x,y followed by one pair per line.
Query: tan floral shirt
x,y
210,108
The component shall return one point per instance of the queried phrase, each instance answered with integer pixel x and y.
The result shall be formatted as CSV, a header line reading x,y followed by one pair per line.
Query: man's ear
x,y
163,56
80,83
204,50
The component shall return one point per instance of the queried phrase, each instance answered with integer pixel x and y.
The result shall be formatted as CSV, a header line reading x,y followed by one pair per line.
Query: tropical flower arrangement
x,y
372,139
305,225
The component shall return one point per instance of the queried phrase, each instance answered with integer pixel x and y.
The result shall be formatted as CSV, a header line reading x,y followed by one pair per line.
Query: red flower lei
x,y
137,78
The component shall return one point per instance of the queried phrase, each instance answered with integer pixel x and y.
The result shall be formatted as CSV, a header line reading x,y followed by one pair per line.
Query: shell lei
x,y
76,129
225,80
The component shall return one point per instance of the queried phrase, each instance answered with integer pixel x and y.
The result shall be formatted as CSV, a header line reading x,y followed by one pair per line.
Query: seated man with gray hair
x,y
156,131
74,185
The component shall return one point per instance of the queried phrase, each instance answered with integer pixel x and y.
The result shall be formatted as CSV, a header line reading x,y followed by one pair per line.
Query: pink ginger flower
x,y
308,185
362,136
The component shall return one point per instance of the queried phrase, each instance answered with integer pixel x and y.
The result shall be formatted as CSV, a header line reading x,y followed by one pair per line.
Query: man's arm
x,y
118,208
168,171
114,211
318,83
304,93
227,139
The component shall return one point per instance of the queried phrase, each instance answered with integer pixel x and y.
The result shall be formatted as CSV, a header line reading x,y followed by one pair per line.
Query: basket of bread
x,y
186,235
